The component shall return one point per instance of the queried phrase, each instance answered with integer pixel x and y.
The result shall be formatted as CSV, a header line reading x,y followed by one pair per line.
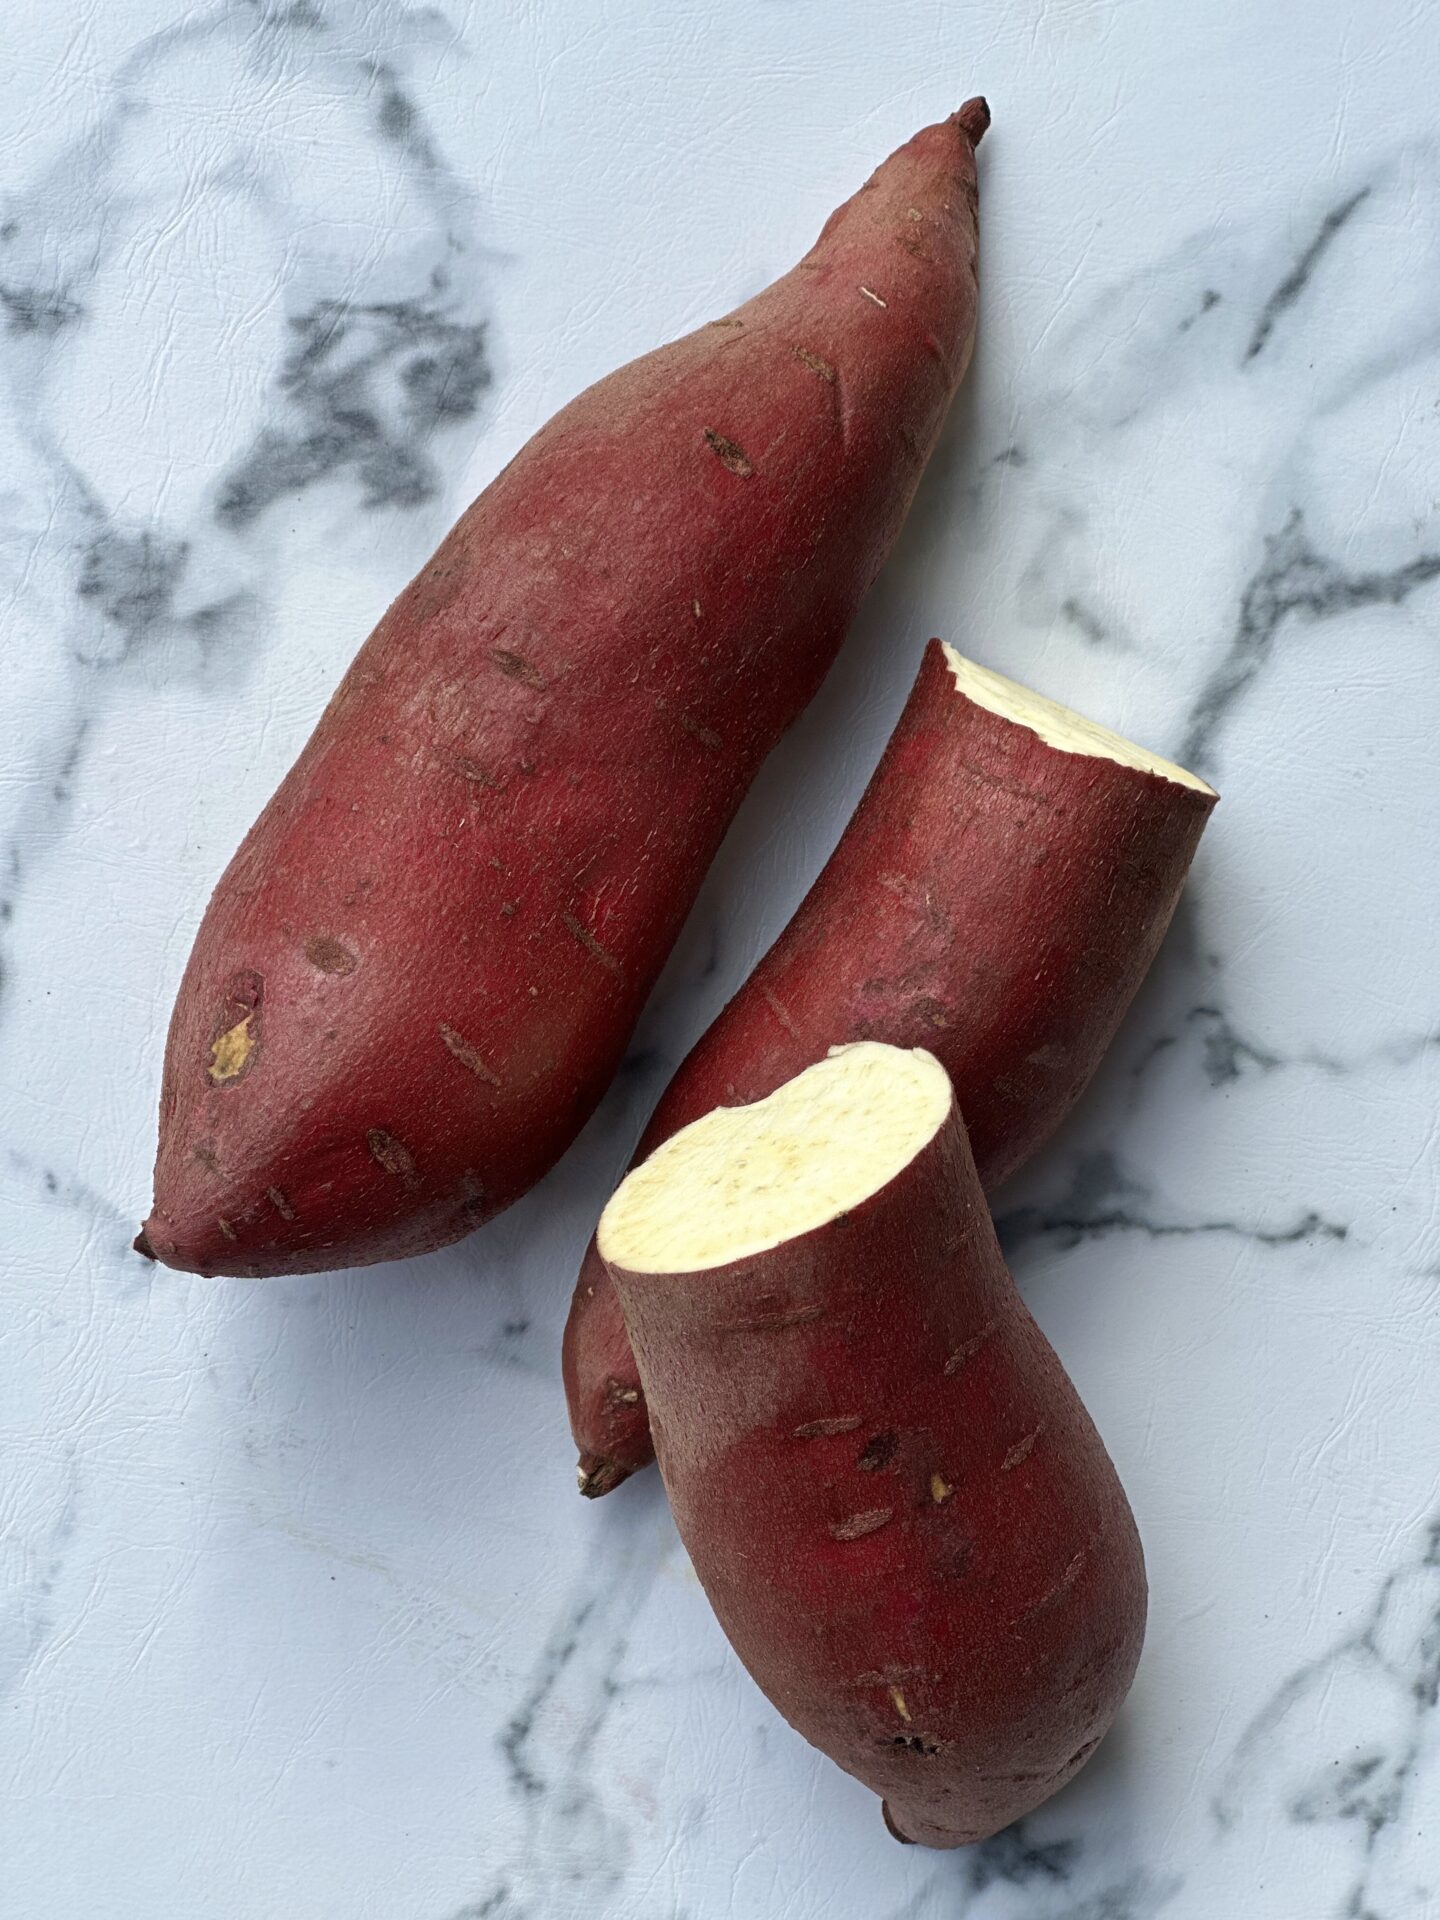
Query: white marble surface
x,y
299,1613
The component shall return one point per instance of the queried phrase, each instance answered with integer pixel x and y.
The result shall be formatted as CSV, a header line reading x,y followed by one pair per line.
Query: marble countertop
x,y
299,1613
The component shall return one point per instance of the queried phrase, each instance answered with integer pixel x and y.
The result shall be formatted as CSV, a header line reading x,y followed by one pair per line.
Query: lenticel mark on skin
x,y
707,736
859,1524
1022,1449
516,667
591,945
393,1155
776,1322
330,955
817,366
733,458
467,1055
968,1347
823,1429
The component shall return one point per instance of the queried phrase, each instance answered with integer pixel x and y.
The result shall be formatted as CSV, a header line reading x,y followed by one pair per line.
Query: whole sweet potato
x,y
421,968
905,1521
997,897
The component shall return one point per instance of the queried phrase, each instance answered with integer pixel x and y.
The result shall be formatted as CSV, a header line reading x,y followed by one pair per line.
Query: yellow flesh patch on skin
x,y
1057,726
743,1179
230,1052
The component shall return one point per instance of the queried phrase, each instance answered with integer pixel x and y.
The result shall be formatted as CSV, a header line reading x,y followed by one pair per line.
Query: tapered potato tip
x,y
973,118
141,1245
595,1475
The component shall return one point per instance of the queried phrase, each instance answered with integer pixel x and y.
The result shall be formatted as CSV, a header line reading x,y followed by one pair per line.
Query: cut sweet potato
x,y
905,1521
997,897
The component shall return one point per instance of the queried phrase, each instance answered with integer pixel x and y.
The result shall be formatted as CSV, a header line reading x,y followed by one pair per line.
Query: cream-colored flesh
x,y
1057,726
743,1179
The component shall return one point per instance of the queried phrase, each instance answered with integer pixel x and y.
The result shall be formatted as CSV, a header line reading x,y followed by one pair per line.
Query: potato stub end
x,y
230,1054
744,1179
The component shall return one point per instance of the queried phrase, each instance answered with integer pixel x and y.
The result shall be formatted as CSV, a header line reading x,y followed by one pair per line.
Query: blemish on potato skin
x,y
393,1155
859,1524
970,1347
230,1052
775,1321
461,1048
940,1489
878,1452
516,667
900,1707
235,1041
732,457
707,736
281,1205
591,945
823,1429
330,955
226,1228
779,1012
1022,1449
818,366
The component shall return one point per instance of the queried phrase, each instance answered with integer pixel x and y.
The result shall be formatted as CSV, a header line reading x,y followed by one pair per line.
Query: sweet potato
x,y
421,968
905,1521
997,897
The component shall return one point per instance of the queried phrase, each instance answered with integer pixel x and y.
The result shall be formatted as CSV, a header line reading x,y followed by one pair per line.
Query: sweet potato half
x,y
997,897
420,970
905,1521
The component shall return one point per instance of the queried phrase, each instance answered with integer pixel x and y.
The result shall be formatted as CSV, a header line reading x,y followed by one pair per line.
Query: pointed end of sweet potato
x,y
595,1475
973,118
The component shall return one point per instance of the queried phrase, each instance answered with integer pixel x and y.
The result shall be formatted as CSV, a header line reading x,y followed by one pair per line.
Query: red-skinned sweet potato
x,y
996,898
907,1525
421,968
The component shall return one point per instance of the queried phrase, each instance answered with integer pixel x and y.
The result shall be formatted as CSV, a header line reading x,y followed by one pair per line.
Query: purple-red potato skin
x,y
993,899
902,1515
422,966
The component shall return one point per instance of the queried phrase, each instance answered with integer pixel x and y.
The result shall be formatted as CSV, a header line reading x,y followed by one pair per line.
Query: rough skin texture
x,y
421,968
993,899
907,1524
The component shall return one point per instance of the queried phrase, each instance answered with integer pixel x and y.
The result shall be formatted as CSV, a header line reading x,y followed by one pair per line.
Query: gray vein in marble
x,y
1298,278
1335,1762
27,1622
1010,1859
1292,580
1097,1202
569,1826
